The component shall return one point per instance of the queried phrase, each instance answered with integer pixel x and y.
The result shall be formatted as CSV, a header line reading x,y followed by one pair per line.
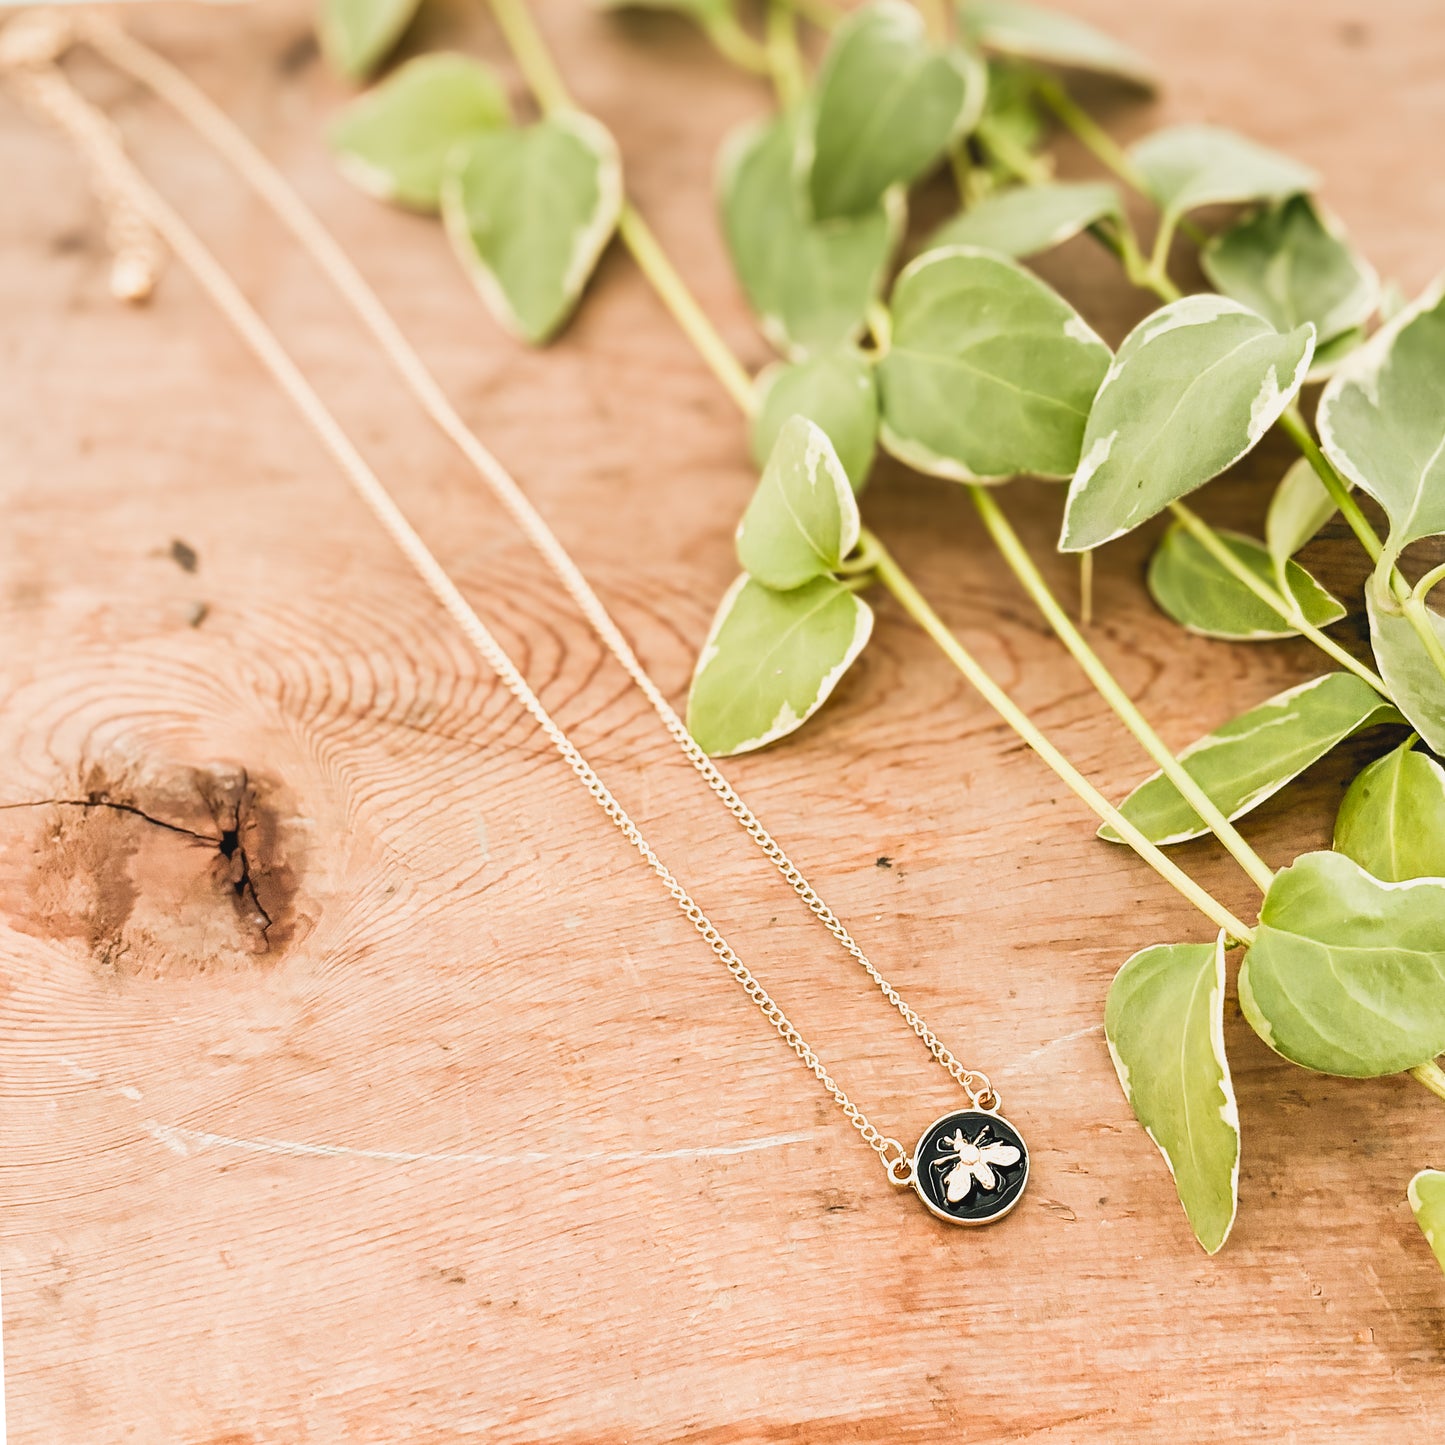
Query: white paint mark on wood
x,y
186,1142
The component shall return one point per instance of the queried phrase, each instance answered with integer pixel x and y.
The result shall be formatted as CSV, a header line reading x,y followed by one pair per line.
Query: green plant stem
x,y
1428,582
1026,167
818,13
1298,431
785,61
530,52
1090,134
1406,599
545,81
672,290
734,44
1432,1076
1278,601
1022,565
1095,139
899,585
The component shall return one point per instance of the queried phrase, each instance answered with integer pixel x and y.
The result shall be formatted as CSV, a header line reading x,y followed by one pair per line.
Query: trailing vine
x,y
965,365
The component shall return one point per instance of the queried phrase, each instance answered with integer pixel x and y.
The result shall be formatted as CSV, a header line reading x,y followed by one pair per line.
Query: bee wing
x,y
1001,1154
957,1185
984,1174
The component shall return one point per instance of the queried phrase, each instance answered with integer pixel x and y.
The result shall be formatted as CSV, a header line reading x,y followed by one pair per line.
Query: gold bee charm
x,y
970,1167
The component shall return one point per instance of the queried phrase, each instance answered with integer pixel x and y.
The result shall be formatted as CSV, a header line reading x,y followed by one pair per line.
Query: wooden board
x,y
358,1085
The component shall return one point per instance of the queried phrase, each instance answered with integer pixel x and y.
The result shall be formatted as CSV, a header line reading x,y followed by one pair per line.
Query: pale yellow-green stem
x,y
1277,601
1022,565
539,70
899,585
1432,1076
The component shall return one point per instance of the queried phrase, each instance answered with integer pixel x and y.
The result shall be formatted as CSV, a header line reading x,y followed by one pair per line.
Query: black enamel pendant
x,y
970,1167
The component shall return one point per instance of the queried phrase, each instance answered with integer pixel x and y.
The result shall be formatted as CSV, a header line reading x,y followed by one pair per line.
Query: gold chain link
x,y
30,48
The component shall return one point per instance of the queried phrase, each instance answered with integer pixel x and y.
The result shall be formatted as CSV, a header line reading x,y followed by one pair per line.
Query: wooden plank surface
x,y
358,1085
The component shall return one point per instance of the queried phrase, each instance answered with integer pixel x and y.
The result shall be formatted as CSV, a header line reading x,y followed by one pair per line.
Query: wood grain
x,y
358,1085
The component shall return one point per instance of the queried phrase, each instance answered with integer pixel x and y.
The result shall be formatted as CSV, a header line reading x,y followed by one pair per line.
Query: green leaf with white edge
x,y
885,108
1291,262
393,142
1028,219
1164,1023
1199,593
1252,756
835,389
1298,508
357,35
989,372
1382,419
1392,819
770,661
530,211
1187,166
803,519
1408,669
1193,388
1032,32
1346,974
1427,1203
810,283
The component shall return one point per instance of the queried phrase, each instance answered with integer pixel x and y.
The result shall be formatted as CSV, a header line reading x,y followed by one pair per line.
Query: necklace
x,y
971,1165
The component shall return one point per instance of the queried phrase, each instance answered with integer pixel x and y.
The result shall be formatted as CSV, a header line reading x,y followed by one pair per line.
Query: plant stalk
x,y
1278,602
785,62
901,587
1432,1076
545,81
1022,565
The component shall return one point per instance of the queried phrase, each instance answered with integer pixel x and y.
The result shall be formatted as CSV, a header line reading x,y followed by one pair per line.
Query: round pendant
x,y
970,1167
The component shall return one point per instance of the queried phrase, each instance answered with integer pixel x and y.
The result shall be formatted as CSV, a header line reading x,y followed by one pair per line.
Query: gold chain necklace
x,y
971,1165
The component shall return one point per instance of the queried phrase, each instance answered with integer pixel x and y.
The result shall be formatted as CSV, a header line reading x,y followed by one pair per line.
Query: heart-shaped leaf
x,y
1408,669
393,142
1299,507
1346,974
1027,219
1201,594
836,390
990,372
529,211
1382,419
771,660
886,106
802,520
1033,33
1427,1203
1392,819
1164,1022
810,283
1193,388
1203,165
1292,264
1255,754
